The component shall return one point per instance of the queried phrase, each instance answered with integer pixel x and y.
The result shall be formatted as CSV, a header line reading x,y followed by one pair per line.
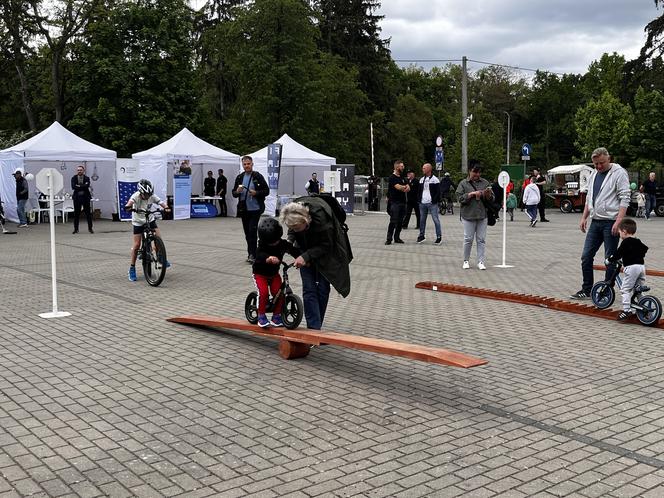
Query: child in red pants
x,y
270,252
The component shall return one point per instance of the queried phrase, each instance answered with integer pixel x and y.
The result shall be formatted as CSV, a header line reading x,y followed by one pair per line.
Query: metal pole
x,y
504,221
509,135
464,116
372,148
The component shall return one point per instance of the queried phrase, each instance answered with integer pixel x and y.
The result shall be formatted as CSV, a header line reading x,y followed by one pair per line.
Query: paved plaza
x,y
116,401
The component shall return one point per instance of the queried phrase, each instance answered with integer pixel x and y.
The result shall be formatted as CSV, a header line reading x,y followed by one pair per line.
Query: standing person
x,y
650,189
324,256
540,181
428,198
471,192
313,185
222,185
21,197
446,188
396,194
606,204
80,185
411,200
632,252
209,185
511,204
531,198
250,189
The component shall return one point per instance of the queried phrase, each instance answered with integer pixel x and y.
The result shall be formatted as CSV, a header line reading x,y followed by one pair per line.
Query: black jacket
x,y
222,185
81,192
21,189
434,189
412,195
260,267
261,186
208,186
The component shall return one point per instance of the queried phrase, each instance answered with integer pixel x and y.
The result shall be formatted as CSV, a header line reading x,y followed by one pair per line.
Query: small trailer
x,y
569,184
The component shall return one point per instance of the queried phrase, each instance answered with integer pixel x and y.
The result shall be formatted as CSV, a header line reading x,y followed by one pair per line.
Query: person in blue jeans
x,y
429,197
650,190
606,204
323,257
21,197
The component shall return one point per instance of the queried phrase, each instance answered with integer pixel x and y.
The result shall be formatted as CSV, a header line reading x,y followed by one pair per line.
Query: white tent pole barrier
x,y
372,148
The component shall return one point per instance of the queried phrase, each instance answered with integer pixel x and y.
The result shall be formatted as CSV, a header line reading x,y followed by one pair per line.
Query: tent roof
x,y
568,169
185,143
58,143
294,154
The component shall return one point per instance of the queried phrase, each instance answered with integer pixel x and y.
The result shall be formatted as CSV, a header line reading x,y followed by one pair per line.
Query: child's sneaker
x,y
263,321
626,314
277,321
168,264
132,274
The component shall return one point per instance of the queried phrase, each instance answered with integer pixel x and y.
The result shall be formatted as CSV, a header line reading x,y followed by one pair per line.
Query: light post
x,y
509,135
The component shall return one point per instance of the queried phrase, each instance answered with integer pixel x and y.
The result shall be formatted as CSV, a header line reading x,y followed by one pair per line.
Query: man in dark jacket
x,y
80,186
21,198
209,185
411,200
428,199
323,254
250,189
222,186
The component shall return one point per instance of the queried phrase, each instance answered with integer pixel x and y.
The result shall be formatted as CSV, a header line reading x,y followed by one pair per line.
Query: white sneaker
x,y
466,265
481,265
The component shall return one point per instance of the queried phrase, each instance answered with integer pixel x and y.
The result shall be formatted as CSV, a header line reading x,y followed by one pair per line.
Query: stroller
x,y
2,221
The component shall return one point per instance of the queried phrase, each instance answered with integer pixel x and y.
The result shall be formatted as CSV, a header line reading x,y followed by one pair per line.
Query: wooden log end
x,y
290,350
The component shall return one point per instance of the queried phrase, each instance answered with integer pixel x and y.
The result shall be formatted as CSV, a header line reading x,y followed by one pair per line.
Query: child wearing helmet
x,y
269,253
142,200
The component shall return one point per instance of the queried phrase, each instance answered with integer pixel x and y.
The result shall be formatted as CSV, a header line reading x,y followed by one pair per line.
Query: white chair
x,y
66,208
32,206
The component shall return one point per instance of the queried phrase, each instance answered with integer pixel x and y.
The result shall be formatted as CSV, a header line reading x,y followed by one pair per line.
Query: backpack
x,y
340,215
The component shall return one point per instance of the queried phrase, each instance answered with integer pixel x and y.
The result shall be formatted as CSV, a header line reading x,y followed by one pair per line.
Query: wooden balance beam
x,y
297,343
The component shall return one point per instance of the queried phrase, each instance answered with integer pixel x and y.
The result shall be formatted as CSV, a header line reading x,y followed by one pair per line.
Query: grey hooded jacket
x,y
613,194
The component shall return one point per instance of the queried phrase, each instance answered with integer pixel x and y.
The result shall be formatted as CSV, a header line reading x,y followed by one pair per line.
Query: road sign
x,y
439,141
526,149
41,180
503,179
440,158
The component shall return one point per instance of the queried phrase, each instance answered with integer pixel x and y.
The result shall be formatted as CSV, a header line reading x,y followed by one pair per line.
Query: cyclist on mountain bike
x,y
142,200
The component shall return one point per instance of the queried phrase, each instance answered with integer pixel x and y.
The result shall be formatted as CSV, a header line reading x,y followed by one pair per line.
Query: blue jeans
x,y
431,209
20,211
315,295
651,203
598,233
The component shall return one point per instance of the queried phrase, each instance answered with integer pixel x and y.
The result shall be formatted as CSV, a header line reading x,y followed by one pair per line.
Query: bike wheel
x,y
442,207
651,312
251,308
602,295
154,261
292,312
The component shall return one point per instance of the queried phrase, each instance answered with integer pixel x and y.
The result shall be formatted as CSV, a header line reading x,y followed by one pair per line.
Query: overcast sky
x,y
562,36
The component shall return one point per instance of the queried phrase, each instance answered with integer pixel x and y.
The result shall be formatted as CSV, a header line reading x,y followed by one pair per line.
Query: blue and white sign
x,y
526,149
273,165
181,197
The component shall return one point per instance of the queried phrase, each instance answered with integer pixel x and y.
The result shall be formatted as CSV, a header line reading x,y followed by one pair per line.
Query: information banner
x,y
127,172
346,195
181,197
273,165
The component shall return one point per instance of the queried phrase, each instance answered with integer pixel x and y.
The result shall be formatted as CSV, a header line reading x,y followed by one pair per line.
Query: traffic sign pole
x,y
51,179
503,181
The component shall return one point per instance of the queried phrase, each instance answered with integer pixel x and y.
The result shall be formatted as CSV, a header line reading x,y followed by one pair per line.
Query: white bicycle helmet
x,y
145,187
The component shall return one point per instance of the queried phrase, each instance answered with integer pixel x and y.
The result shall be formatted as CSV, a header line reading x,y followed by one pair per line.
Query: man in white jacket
x,y
606,204
531,198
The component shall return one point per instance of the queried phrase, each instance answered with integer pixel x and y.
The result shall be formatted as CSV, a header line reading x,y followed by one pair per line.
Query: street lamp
x,y
509,135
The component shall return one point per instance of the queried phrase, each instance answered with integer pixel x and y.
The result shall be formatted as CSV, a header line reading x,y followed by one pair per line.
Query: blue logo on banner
x,y
125,191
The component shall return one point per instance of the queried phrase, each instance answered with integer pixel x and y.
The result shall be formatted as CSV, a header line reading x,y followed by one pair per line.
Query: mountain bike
x,y
648,308
152,252
292,311
446,205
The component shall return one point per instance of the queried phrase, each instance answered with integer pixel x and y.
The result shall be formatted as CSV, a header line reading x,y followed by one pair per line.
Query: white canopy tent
x,y
185,146
56,147
297,164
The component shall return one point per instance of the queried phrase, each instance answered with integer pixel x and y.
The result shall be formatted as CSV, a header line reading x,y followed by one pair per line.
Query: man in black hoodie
x,y
411,200
21,198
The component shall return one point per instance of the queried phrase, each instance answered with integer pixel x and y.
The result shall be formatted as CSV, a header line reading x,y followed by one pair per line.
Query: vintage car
x,y
569,185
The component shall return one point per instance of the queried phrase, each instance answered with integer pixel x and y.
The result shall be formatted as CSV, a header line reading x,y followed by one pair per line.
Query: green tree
x,y
648,136
604,122
136,90
411,131
605,75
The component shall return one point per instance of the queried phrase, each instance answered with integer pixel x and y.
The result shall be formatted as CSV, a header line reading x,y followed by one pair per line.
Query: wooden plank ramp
x,y
297,343
649,272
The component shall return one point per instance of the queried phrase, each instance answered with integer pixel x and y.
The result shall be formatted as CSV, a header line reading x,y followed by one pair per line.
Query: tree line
x,y
129,74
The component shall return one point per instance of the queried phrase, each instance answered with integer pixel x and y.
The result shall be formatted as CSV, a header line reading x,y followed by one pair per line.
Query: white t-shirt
x,y
138,219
